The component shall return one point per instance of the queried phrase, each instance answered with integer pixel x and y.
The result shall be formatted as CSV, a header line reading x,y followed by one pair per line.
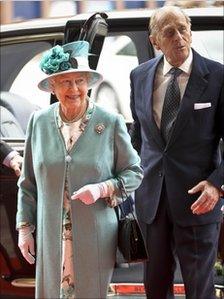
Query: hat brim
x,y
95,78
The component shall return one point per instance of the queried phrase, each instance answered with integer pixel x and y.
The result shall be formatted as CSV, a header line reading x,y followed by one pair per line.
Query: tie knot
x,y
175,71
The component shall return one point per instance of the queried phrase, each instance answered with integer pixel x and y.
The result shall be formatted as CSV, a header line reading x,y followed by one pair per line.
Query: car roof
x,y
60,22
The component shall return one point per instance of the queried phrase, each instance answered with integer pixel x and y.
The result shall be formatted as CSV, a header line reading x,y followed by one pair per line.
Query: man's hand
x,y
16,163
208,198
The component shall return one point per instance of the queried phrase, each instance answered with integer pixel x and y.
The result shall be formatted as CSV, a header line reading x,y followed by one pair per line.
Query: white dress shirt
x,y
162,78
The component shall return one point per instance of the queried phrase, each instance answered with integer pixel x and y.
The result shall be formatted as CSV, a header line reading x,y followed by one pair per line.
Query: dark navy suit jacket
x,y
192,152
5,149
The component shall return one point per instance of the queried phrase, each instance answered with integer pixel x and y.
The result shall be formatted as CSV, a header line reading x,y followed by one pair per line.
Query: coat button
x,y
160,173
68,158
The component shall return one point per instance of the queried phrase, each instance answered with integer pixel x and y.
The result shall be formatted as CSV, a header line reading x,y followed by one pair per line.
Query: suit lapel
x,y
195,87
147,91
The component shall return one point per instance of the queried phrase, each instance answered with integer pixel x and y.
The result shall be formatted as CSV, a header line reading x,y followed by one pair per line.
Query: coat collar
x,y
147,91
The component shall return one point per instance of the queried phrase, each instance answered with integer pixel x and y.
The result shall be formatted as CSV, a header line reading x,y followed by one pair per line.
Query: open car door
x,y
94,30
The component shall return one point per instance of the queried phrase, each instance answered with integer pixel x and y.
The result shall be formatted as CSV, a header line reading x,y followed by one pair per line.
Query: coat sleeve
x,y
126,160
27,193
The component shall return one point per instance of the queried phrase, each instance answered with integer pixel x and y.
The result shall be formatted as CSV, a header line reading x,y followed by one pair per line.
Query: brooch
x,y
99,128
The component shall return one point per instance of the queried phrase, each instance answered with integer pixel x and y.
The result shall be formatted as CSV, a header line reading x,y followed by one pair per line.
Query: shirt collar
x,y
185,67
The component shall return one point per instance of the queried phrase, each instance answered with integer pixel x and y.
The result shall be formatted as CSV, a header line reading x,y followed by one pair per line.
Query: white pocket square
x,y
198,106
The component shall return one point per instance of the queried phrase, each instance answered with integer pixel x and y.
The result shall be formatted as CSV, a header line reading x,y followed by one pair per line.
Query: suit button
x,y
160,174
222,187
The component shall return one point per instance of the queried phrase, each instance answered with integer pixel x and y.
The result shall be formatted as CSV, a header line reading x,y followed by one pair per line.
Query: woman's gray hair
x,y
159,15
52,80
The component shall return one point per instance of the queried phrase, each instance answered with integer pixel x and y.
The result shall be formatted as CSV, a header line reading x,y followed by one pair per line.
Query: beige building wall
x,y
6,11
6,6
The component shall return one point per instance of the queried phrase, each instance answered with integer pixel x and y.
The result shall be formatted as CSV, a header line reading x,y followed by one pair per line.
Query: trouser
x,y
195,247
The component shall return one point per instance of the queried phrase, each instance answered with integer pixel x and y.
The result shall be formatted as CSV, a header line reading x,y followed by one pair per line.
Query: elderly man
x,y
177,102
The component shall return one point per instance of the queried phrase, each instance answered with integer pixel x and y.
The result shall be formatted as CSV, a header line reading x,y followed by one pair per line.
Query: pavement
x,y
133,274
138,297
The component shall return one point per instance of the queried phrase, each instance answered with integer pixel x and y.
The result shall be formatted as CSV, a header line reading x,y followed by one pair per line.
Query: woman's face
x,y
70,89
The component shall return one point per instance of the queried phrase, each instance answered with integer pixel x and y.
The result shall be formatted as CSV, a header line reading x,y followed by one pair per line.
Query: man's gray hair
x,y
160,14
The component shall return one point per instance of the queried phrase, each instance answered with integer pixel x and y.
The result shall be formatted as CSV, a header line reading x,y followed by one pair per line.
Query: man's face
x,y
173,38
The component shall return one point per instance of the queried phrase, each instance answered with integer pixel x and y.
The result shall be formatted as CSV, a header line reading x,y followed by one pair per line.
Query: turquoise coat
x,y
96,157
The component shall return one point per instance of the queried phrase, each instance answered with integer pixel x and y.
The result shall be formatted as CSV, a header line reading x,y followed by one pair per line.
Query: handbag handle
x,y
123,215
124,192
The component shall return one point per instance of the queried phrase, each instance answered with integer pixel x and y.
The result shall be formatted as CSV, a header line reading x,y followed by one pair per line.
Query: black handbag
x,y
130,240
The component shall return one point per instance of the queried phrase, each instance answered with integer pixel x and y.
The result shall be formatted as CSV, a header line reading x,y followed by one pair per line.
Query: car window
x,y
207,43
117,59
128,50
20,96
26,85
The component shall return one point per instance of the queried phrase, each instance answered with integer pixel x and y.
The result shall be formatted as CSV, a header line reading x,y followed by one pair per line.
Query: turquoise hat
x,y
69,58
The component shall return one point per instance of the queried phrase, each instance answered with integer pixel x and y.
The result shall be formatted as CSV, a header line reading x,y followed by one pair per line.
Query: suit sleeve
x,y
5,149
217,176
135,131
27,194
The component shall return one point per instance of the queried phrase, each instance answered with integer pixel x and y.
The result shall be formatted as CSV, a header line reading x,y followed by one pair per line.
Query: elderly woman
x,y
76,155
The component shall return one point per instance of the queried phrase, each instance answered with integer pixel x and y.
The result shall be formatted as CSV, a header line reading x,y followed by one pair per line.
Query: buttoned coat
x,y
192,152
96,156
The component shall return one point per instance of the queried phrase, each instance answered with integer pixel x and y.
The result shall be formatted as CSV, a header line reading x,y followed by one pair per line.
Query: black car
x,y
120,42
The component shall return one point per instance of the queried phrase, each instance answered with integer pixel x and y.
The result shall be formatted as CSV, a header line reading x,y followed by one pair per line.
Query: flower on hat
x,y
55,60
65,65
70,57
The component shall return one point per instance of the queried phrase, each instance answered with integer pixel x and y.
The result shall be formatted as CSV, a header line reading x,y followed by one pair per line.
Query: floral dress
x,y
71,132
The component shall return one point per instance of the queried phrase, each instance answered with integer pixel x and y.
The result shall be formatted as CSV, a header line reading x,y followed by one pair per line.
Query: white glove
x,y
89,194
26,243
